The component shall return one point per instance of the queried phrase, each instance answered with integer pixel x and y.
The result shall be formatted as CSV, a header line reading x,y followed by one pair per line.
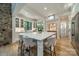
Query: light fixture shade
x,y
51,17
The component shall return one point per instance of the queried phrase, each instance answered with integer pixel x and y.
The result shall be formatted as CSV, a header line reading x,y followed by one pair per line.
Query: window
x,y
51,17
40,25
28,25
35,24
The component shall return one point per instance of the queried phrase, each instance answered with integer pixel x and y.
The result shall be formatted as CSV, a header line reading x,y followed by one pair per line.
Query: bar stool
x,y
27,45
20,48
49,45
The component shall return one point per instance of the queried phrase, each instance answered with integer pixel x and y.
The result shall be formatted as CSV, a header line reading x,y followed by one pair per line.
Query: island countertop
x,y
38,36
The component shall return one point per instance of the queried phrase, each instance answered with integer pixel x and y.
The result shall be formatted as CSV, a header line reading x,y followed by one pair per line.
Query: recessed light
x,y
45,8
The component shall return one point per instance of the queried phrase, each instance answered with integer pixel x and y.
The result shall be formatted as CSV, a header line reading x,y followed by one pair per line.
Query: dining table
x,y
39,37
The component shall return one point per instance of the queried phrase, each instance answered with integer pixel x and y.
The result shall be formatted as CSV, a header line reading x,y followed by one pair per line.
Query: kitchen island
x,y
39,37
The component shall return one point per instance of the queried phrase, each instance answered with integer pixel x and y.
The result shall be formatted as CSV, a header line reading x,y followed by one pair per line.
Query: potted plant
x,y
40,28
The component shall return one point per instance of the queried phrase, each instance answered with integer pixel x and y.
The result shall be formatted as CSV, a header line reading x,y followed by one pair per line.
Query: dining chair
x,y
49,45
28,44
20,48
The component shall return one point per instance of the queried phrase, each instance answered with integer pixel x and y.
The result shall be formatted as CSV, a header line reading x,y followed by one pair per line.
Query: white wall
x,y
75,9
16,30
22,13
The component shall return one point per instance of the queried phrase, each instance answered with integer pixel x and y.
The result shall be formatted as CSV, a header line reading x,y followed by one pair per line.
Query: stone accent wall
x,y
5,23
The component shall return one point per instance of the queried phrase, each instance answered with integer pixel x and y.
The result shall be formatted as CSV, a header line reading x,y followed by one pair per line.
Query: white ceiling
x,y
52,8
38,8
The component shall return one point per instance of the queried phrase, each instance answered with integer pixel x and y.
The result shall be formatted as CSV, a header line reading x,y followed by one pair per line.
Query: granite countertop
x,y
38,36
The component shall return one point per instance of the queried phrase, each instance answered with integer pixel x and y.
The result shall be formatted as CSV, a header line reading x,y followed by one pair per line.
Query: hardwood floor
x,y
63,48
9,50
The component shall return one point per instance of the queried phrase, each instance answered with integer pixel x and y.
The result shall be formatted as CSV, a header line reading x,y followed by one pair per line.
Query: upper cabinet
x,y
22,22
17,22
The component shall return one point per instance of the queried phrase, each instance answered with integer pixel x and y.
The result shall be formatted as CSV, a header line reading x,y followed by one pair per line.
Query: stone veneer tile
x,y
5,23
